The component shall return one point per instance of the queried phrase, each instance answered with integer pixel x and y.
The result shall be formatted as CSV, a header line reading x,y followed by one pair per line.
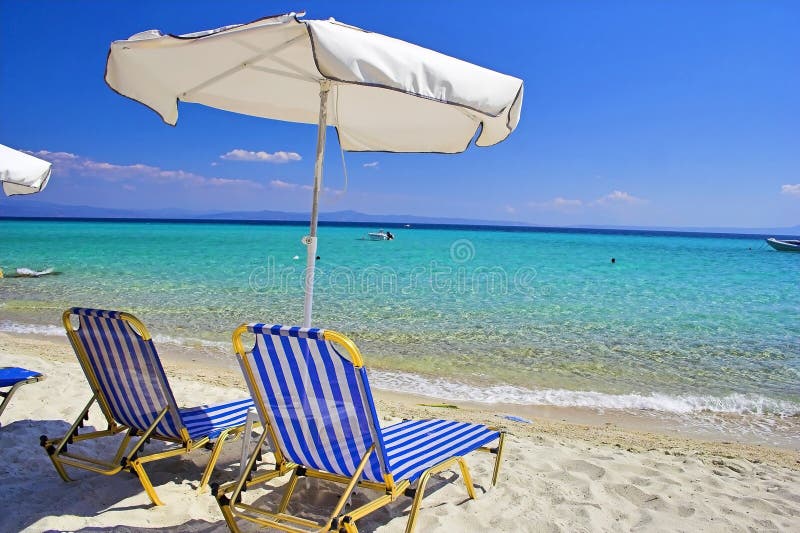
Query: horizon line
x,y
516,226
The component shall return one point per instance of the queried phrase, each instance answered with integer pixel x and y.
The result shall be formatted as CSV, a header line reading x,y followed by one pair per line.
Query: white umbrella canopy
x,y
22,173
386,94
380,93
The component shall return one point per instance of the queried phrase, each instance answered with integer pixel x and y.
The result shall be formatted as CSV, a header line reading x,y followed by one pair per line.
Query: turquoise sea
x,y
679,324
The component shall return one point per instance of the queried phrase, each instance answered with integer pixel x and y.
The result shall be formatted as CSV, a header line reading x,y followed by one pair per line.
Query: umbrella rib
x,y
318,77
304,75
224,74
298,76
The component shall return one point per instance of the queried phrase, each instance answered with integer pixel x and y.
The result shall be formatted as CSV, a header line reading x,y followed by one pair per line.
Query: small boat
x,y
29,273
784,246
380,235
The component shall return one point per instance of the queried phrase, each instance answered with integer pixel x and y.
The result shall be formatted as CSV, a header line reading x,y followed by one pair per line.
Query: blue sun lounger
x,y
131,389
12,378
313,398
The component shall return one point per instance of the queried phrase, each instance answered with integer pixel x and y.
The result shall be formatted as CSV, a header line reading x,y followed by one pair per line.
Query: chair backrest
x,y
315,397
123,369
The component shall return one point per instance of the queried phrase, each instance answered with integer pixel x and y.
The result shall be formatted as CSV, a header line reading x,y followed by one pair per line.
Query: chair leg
x,y
388,497
236,487
54,447
420,491
349,527
136,464
352,484
230,520
498,458
212,461
7,395
122,447
145,481
287,495
131,460
467,478
60,468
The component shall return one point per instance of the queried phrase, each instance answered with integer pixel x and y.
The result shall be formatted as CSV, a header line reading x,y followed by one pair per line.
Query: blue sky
x,y
669,113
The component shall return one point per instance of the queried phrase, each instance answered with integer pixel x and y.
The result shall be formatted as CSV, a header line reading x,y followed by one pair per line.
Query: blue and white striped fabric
x,y
313,400
322,411
414,446
211,420
133,382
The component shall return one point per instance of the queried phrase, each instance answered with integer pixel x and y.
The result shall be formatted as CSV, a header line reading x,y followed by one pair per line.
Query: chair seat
x,y
413,446
10,376
211,420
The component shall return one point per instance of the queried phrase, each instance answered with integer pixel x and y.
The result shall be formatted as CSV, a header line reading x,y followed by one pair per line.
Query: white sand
x,y
555,476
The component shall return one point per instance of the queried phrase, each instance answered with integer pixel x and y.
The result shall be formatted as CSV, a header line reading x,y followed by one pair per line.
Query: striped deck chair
x,y
12,378
312,395
129,386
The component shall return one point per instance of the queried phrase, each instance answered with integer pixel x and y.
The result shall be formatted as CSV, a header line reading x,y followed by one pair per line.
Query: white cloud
x,y
619,197
65,163
571,205
261,157
45,154
373,164
557,204
792,190
327,192
510,209
280,184
566,202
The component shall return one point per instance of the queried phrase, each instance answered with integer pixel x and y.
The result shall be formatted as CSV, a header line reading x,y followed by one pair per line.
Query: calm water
x,y
677,324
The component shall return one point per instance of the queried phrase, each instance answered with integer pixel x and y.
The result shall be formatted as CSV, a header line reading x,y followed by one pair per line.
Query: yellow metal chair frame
x,y
125,458
229,496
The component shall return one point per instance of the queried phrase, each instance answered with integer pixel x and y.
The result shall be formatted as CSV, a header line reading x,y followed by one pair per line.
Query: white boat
x,y
784,246
29,273
380,235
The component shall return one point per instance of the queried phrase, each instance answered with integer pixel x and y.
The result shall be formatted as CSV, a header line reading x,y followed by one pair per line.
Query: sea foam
x,y
28,329
56,331
679,404
743,404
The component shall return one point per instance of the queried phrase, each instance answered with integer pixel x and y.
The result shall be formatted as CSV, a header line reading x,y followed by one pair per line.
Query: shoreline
x,y
642,431
481,388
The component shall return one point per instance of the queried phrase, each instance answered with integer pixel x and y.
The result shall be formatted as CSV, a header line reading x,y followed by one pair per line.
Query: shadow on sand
x,y
29,476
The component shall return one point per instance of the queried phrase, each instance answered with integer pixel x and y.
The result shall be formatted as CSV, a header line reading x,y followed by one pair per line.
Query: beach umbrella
x,y
22,173
380,93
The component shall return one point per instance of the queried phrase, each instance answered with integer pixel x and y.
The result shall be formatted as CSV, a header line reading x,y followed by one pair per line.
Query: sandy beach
x,y
566,224
556,475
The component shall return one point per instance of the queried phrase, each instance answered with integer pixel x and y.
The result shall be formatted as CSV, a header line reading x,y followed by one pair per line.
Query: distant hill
x,y
35,209
354,216
29,208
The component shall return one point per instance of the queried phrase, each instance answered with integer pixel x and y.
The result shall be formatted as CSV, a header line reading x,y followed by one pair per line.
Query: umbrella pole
x,y
311,240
